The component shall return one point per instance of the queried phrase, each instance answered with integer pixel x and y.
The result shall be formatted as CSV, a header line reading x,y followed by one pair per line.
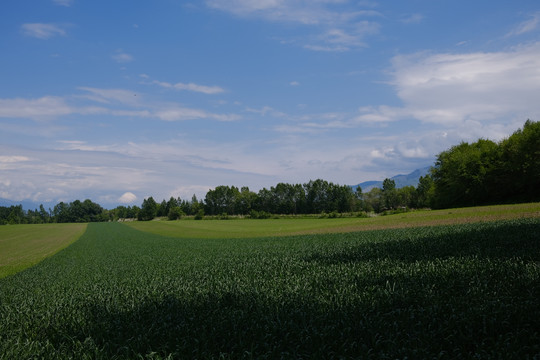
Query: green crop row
x,y
459,291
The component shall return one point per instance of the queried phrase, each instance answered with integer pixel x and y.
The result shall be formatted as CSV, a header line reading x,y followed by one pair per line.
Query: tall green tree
x,y
424,192
148,209
389,194
463,174
519,175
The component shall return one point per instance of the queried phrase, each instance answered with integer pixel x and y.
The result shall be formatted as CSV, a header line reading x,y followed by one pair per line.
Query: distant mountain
x,y
401,180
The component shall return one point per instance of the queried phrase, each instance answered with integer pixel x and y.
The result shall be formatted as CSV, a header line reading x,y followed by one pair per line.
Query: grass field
x,y
295,226
22,246
459,291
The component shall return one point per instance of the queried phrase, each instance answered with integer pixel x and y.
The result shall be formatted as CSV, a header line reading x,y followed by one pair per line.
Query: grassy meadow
x,y
240,228
22,246
468,290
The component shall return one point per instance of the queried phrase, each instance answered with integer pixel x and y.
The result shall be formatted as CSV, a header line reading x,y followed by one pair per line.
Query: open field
x,y
22,246
460,291
295,226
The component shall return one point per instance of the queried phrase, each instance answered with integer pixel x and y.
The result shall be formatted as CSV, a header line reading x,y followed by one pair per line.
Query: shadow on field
x,y
483,240
387,325
227,326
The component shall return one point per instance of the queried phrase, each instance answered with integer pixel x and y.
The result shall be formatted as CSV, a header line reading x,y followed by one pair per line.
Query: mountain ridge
x,y
401,180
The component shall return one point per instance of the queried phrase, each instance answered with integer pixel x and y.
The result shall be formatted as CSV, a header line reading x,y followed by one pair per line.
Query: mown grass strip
x,y
22,246
462,291
295,226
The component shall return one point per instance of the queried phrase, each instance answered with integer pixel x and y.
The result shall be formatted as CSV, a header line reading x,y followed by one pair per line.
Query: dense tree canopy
x,y
486,172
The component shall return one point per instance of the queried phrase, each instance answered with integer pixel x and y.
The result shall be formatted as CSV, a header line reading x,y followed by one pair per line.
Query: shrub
x,y
175,213
254,214
199,215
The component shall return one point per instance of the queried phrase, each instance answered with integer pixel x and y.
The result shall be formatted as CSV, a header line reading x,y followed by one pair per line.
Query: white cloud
x,y
122,57
127,198
451,89
42,31
444,88
45,107
294,83
191,87
13,158
526,26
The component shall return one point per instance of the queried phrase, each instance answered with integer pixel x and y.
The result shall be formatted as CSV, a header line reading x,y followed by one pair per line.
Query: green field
x,y
295,226
452,291
22,246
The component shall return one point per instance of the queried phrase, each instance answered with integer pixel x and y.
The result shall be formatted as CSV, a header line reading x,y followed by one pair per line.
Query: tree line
x,y
483,172
73,212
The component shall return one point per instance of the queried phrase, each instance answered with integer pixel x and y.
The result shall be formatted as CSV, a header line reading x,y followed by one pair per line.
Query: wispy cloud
x,y
13,158
108,96
113,102
42,31
44,107
344,39
412,18
122,57
177,113
302,11
341,23
191,87
526,26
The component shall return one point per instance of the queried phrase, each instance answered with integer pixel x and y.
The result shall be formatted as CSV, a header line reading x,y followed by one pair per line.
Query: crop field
x,y
295,226
451,291
22,246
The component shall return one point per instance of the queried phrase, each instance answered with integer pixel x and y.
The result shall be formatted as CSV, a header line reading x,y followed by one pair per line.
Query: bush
x,y
362,214
175,213
334,214
199,215
254,214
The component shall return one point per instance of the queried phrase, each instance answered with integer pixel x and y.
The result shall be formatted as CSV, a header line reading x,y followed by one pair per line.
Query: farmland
x,y
465,290
22,246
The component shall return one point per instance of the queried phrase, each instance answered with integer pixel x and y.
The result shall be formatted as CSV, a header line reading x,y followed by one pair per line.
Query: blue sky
x,y
120,100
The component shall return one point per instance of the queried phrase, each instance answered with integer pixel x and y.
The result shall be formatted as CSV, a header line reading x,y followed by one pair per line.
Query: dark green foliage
x,y
123,212
520,163
77,211
74,212
424,192
390,194
223,199
485,172
254,214
199,215
175,213
468,291
149,209
313,197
